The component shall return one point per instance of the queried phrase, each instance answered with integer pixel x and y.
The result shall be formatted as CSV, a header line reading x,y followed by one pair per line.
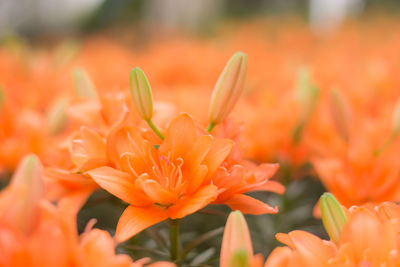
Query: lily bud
x,y
84,87
333,216
307,94
396,119
57,116
340,114
307,97
141,93
20,201
236,242
228,88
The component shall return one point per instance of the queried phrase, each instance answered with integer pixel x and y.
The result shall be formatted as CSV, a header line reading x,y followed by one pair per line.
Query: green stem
x,y
210,127
174,239
155,129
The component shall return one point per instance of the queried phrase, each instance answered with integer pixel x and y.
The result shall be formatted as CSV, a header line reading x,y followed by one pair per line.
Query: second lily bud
x,y
340,112
236,249
333,216
143,98
141,93
228,88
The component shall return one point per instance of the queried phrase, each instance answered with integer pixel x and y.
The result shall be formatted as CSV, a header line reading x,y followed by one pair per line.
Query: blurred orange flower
x,y
34,232
363,168
370,237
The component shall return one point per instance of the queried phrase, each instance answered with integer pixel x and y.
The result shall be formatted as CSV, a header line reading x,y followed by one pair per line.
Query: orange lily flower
x,y
246,177
172,181
237,176
370,237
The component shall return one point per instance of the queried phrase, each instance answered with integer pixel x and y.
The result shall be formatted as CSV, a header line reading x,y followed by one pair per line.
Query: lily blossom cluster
x,y
77,122
171,173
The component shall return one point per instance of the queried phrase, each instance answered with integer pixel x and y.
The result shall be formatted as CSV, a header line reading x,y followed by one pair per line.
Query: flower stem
x,y
210,127
155,129
174,239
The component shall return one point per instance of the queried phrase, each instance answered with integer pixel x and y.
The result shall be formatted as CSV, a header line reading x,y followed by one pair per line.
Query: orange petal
x,y
198,152
156,192
364,230
271,186
119,184
125,141
284,239
314,251
217,154
68,179
136,219
196,178
93,164
249,205
180,136
388,210
192,203
94,143
89,144
279,257
99,247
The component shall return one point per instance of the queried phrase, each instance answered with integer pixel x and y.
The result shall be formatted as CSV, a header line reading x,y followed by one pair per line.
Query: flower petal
x,y
270,186
192,203
249,205
155,191
126,141
94,143
311,248
217,154
87,145
180,136
196,178
198,152
279,257
135,219
120,184
68,179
